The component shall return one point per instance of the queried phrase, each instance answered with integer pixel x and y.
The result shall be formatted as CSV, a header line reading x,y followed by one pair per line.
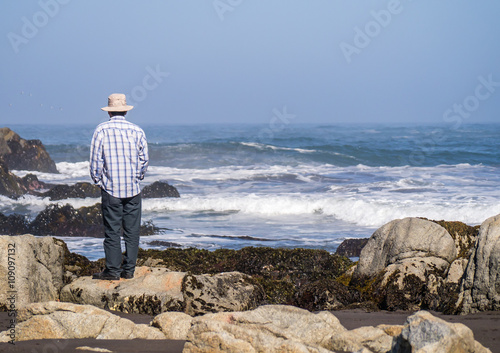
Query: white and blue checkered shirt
x,y
118,157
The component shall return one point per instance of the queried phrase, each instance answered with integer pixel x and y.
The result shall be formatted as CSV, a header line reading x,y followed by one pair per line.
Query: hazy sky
x,y
206,61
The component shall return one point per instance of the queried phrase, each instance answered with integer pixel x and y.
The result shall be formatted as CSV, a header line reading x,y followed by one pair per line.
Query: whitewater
x,y
308,186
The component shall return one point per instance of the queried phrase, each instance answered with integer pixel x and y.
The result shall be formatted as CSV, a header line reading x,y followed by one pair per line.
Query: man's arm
x,y
143,156
96,158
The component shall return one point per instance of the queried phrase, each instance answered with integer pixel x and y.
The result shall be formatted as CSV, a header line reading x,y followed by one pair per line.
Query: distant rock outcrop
x,y
64,221
22,154
78,190
159,189
84,189
351,247
13,186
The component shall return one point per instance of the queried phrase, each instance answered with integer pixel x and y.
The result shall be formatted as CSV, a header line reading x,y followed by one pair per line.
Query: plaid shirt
x,y
118,157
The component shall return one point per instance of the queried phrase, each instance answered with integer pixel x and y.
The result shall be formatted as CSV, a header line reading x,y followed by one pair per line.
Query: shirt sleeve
x,y
96,158
143,156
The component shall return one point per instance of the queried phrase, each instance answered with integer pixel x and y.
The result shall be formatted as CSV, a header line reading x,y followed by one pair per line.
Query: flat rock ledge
x,y
269,328
155,290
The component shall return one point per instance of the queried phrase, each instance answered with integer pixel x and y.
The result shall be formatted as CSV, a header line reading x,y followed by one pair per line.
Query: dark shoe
x,y
105,276
127,275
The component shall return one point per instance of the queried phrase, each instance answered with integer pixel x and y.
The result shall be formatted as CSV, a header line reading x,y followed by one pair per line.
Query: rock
x,y
404,266
403,239
159,189
57,220
464,236
78,190
456,271
65,220
481,285
351,247
270,328
281,272
156,290
327,294
175,326
32,267
423,332
230,291
55,320
24,154
13,224
12,186
151,291
373,339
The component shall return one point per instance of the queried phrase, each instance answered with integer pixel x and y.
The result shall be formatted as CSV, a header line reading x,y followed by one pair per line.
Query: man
x,y
118,161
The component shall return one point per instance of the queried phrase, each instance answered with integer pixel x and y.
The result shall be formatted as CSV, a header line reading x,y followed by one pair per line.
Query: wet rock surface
x,y
21,154
13,186
351,247
159,189
65,221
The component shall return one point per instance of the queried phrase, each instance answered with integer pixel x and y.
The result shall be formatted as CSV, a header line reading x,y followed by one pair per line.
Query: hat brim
x,y
123,108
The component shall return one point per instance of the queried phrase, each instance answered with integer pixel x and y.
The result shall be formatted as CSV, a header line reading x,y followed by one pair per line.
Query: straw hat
x,y
117,103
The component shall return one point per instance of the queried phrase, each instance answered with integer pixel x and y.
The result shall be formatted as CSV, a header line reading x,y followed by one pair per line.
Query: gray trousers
x,y
121,216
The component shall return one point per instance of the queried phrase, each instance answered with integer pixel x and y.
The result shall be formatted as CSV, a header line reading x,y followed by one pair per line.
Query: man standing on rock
x,y
118,161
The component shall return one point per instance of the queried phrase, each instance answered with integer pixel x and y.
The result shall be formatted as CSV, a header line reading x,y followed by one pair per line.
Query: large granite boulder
x,y
151,291
174,325
406,263
228,291
55,320
270,328
423,332
155,290
406,239
277,328
481,286
31,270
22,154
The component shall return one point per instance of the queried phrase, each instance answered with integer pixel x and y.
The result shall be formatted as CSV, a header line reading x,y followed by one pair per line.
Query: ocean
x,y
296,185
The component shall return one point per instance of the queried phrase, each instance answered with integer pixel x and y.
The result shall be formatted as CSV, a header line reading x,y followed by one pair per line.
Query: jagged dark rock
x,y
58,220
14,224
84,189
159,189
12,186
351,247
22,154
166,244
78,190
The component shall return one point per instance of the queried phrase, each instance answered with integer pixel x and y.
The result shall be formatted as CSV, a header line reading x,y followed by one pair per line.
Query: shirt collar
x,y
117,117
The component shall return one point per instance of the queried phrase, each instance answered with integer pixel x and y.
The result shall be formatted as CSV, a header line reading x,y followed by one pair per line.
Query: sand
x,y
486,328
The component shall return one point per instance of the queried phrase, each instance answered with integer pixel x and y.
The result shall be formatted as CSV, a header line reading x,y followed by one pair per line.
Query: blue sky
x,y
238,61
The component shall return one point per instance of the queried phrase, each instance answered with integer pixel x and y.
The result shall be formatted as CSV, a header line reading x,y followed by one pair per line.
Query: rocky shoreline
x,y
266,299
247,300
